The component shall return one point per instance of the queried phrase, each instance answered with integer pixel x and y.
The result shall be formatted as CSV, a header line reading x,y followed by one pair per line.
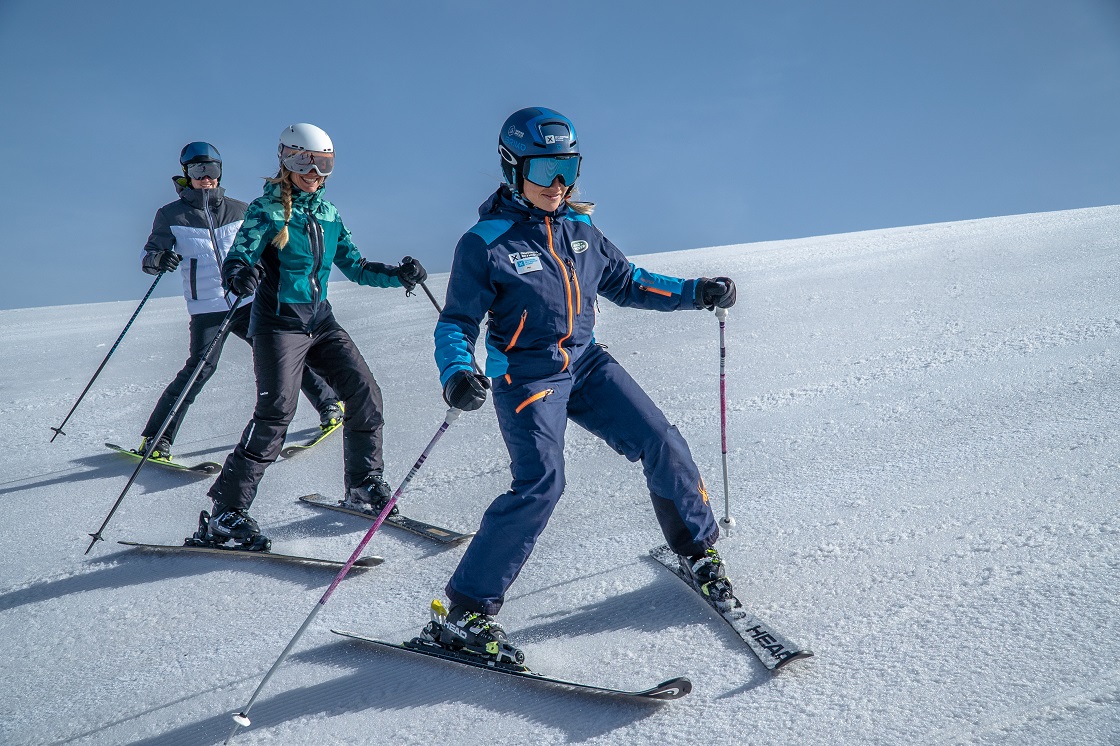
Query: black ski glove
x,y
711,294
411,273
240,279
169,261
160,261
465,390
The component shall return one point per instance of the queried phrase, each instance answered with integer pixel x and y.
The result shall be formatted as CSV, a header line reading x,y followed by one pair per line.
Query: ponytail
x,y
581,208
284,179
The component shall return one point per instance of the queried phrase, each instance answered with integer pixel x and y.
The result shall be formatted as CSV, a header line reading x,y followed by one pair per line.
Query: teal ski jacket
x,y
292,296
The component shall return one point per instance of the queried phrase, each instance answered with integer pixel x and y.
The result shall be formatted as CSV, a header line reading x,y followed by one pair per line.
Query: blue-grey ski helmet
x,y
539,144
201,153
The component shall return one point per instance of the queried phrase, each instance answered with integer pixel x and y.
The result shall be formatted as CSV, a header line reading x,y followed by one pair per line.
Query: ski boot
x,y
162,450
370,496
463,630
331,415
709,576
227,525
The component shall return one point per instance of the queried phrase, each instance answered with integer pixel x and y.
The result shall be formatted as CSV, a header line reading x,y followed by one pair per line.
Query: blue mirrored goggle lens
x,y
543,171
208,169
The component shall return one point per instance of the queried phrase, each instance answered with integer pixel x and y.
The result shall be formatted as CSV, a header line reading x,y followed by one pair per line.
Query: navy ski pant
x,y
278,358
600,396
203,330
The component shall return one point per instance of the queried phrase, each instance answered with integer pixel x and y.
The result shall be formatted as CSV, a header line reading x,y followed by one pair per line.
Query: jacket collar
x,y
503,203
195,197
304,199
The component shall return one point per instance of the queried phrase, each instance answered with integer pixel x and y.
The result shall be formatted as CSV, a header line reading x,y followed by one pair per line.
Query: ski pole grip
x,y
721,313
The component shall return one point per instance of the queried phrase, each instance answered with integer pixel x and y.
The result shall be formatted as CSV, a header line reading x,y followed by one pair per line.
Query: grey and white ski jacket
x,y
200,226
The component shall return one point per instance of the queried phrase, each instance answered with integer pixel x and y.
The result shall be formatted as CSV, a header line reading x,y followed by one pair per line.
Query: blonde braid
x,y
283,178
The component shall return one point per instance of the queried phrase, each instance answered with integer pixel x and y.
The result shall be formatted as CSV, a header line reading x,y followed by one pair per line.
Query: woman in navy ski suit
x,y
533,266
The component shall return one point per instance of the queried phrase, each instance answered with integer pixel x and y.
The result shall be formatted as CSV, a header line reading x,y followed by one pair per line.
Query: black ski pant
x,y
278,358
204,328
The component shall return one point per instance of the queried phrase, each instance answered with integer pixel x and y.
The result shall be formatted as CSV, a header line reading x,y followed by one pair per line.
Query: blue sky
x,y
701,124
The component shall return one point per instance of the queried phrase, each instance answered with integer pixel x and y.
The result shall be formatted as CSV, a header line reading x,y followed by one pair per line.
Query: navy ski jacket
x,y
536,275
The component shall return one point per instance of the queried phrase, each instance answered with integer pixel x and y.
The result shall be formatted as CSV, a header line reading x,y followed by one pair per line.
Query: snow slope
x,y
924,467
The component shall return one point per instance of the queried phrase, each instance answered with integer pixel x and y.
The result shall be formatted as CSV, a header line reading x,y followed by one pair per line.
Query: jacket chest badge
x,y
526,261
579,246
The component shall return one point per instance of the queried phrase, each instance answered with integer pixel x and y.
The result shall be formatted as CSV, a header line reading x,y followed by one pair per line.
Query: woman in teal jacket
x,y
284,252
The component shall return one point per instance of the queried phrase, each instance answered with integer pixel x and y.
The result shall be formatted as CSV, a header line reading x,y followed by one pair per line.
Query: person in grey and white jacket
x,y
193,234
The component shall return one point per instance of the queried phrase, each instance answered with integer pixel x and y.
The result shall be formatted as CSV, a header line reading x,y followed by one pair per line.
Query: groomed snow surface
x,y
924,469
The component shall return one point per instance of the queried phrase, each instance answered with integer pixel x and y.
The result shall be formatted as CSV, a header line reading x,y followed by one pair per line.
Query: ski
x,y
427,530
206,468
671,689
772,648
362,564
289,451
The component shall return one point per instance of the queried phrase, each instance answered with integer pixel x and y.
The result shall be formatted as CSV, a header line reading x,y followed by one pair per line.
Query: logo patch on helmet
x,y
514,132
579,246
553,139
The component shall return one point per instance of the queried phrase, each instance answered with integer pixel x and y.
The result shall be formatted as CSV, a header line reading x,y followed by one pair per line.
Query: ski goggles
x,y
302,161
543,171
204,170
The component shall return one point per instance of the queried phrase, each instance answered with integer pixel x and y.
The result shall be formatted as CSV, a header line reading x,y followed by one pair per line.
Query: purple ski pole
x,y
241,719
727,522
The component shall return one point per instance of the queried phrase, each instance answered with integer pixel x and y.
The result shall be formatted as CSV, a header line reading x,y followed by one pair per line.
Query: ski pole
x,y
727,522
241,719
432,298
58,430
151,444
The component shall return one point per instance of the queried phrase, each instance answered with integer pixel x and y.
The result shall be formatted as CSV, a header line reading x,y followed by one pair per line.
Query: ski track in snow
x,y
924,461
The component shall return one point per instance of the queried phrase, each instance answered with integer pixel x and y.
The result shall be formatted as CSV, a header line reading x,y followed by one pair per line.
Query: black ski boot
x,y
708,574
371,495
331,415
162,449
227,525
470,631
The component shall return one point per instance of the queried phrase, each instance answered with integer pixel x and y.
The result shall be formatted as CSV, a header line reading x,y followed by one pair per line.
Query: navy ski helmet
x,y
201,152
538,133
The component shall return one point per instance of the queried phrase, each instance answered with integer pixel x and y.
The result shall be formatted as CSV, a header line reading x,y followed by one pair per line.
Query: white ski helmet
x,y
305,136
304,147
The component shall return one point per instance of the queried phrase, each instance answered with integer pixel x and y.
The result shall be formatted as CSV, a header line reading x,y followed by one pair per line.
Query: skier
x,y
199,227
533,265
295,235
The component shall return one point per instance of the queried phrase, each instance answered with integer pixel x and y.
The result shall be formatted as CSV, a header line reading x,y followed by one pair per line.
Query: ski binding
x,y
671,689
772,648
206,468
